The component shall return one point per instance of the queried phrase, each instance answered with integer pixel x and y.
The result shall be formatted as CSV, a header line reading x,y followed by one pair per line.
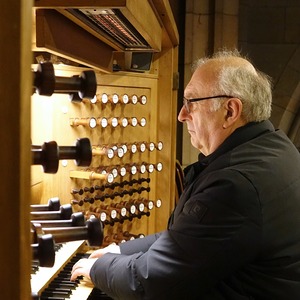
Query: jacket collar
x,y
238,137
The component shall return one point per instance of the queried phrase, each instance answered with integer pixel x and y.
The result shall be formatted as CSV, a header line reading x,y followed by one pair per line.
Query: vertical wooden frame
x,y
15,87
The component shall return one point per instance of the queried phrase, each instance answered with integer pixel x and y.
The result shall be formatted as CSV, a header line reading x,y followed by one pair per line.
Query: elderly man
x,y
235,233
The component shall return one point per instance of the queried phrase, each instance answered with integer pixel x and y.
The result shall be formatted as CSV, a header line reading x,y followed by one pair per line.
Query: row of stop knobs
x,y
123,210
110,186
104,122
49,154
114,98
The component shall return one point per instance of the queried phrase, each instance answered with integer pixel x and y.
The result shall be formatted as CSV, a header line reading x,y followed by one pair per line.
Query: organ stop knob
x,y
46,83
49,154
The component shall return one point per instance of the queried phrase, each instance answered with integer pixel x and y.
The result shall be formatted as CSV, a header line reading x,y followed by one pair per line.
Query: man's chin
x,y
195,145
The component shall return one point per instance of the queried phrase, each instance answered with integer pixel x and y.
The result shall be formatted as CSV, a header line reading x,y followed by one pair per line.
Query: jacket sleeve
x,y
217,232
138,245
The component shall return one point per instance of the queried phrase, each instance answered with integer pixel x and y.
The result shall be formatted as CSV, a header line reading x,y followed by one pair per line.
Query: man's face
x,y
203,124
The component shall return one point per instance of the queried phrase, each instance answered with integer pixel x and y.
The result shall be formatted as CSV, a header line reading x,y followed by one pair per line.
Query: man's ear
x,y
234,108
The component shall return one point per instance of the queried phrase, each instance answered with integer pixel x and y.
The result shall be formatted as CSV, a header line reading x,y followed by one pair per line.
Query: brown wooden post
x,y
15,91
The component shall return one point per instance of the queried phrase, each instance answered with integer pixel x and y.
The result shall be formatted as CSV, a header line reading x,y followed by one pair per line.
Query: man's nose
x,y
182,114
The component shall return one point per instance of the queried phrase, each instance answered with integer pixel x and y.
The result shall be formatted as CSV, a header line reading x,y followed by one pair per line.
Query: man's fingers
x,y
82,267
74,275
77,269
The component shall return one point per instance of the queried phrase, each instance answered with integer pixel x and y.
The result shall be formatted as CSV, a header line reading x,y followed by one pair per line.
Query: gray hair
x,y
251,86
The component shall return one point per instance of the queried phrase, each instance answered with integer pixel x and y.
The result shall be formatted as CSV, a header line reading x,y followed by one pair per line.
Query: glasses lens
x,y
186,105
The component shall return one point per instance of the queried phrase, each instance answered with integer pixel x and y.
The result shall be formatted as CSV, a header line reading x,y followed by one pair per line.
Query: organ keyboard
x,y
54,283
44,275
61,288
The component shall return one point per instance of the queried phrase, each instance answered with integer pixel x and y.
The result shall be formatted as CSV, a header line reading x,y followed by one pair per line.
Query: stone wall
x,y
269,33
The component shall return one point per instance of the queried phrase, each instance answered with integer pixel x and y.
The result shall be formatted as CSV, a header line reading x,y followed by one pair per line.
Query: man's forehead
x,y
201,82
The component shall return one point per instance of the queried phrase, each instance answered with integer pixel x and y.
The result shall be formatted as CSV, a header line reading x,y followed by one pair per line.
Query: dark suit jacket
x,y
235,233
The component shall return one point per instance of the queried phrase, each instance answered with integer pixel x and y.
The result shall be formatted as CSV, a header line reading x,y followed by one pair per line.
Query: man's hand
x,y
82,268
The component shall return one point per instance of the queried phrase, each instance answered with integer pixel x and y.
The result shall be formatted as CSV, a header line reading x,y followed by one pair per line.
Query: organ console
x,y
124,125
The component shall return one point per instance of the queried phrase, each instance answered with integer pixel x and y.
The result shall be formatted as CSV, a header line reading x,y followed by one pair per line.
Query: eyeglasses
x,y
187,102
